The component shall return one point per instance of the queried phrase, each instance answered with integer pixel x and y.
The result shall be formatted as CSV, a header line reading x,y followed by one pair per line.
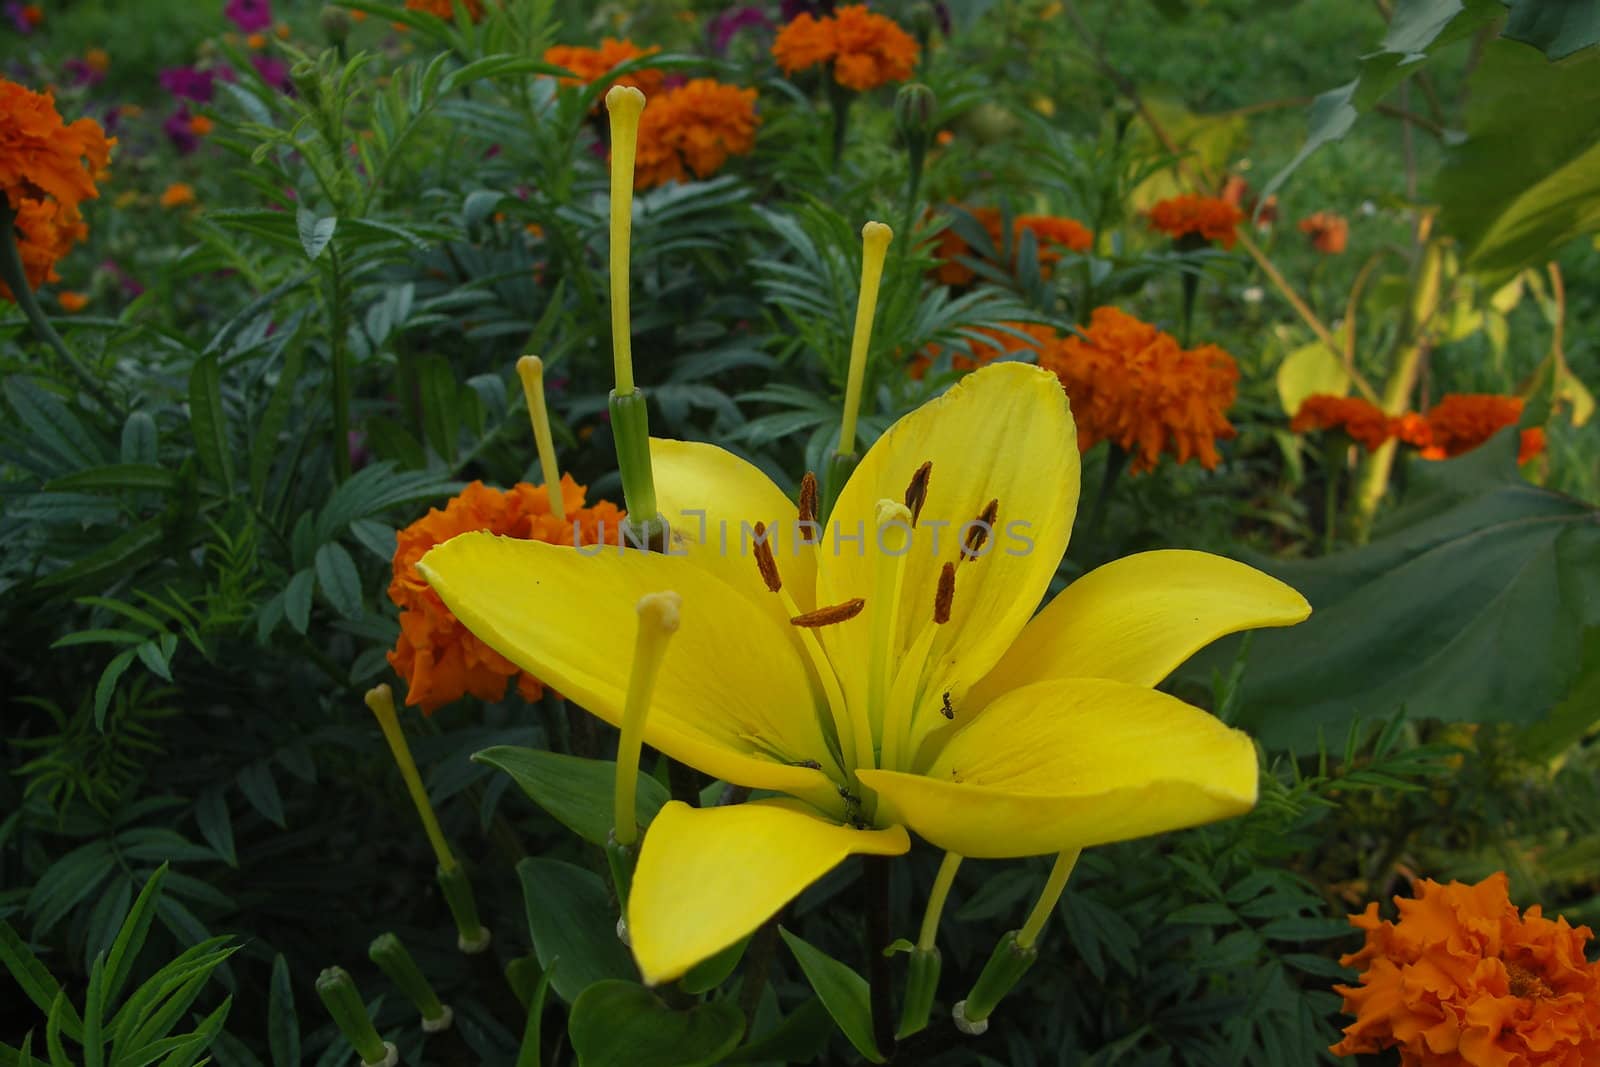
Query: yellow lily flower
x,y
887,673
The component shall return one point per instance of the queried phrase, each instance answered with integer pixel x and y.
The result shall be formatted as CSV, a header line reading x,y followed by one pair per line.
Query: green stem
x,y
339,354
1330,494
1116,462
876,886
840,98
16,278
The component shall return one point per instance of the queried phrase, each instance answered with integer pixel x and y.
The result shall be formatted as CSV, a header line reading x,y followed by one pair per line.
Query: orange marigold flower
x,y
446,9
200,125
593,64
952,246
692,130
867,50
47,168
177,195
1209,217
438,657
1051,232
1463,980
97,60
1002,342
1463,421
33,15
1132,384
1360,420
1530,443
72,302
1329,233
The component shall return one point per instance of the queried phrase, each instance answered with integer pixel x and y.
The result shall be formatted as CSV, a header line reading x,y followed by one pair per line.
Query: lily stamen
x,y
658,621
808,508
978,531
764,561
946,595
917,491
830,615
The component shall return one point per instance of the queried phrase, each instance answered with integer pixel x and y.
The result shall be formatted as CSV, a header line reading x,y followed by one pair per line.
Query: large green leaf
x,y
1557,28
1470,606
1417,29
1527,178
623,1024
578,792
573,924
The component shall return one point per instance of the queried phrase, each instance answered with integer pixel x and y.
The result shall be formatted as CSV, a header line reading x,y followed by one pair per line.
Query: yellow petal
x,y
712,499
733,697
1137,619
709,876
1070,764
1003,434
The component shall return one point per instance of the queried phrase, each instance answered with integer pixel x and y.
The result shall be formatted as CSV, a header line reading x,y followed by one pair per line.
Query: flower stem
x,y
840,98
16,278
1330,494
1116,462
1046,903
936,898
876,885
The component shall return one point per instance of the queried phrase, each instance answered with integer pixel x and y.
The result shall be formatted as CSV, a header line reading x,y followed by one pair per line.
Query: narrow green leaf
x,y
139,441
209,422
35,980
844,993
216,824
528,1054
297,600
261,790
94,1007
283,1026
107,685
130,939
116,477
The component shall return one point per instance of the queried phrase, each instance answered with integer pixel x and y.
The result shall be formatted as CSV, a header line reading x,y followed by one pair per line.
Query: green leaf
x,y
800,1038
571,918
297,600
706,975
1527,178
844,993
283,1027
51,425
35,979
116,477
577,792
1471,606
139,443
107,686
257,784
264,443
1557,28
1576,716
209,422
622,1024
1308,371
130,939
315,233
216,825
441,410
339,580
1329,119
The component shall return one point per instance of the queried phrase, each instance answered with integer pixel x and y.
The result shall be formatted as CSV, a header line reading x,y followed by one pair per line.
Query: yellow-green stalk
x,y
630,418
343,1001
1014,954
531,370
922,979
472,935
875,238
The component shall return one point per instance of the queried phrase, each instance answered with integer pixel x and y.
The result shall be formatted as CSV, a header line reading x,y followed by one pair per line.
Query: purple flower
x,y
251,16
18,14
81,73
725,26
178,132
189,83
273,71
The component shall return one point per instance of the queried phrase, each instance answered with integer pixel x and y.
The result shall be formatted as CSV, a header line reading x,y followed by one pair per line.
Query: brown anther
x,y
808,508
917,491
946,594
945,708
764,561
830,615
978,533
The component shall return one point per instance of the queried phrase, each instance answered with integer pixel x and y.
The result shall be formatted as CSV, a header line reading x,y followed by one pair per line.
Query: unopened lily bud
x,y
343,1001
